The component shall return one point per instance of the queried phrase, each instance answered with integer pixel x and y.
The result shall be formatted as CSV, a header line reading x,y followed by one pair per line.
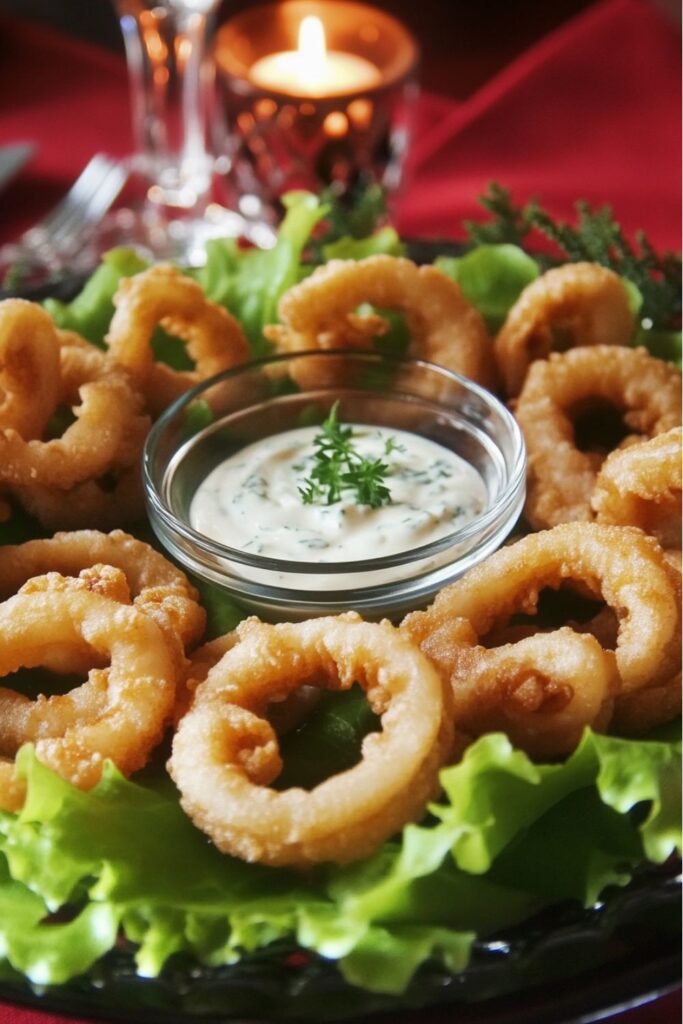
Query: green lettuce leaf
x,y
329,739
385,241
632,776
90,312
222,612
663,344
56,952
249,282
385,961
508,838
492,277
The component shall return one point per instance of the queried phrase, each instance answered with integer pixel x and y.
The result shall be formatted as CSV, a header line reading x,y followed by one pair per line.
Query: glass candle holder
x,y
294,115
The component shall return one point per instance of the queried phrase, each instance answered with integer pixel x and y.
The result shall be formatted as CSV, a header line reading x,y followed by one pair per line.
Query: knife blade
x,y
13,158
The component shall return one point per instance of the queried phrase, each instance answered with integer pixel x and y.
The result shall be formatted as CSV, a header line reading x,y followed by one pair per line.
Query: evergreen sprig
x,y
356,213
596,237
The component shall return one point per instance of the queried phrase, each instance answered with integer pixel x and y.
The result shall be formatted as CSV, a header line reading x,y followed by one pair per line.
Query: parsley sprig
x,y
338,468
596,237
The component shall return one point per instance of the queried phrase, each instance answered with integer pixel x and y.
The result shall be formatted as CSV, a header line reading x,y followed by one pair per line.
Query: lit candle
x,y
311,71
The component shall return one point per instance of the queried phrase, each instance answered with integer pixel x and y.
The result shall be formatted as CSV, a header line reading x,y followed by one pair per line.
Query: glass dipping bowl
x,y
256,400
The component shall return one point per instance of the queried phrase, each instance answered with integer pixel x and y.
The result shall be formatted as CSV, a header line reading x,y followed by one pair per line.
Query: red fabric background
x,y
593,111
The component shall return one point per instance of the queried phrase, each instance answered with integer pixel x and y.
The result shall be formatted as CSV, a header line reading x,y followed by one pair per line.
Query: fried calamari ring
x,y
225,753
572,305
115,499
106,500
156,586
283,715
320,313
622,565
119,712
12,788
164,296
637,713
29,367
642,710
641,486
197,669
107,413
561,477
542,691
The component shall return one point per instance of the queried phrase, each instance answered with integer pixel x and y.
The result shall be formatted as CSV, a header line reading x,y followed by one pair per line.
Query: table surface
x,y
464,46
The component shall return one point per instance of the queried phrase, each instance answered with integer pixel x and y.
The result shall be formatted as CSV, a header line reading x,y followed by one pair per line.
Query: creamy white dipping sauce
x,y
252,502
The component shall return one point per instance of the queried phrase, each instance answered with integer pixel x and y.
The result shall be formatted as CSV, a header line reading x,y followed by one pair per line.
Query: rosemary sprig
x,y
509,222
339,468
357,213
596,237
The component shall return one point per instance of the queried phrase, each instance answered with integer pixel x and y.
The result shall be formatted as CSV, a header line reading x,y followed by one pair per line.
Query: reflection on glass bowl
x,y
259,400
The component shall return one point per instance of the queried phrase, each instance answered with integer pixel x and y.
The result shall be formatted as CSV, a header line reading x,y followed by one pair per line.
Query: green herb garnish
x,y
596,237
356,213
339,468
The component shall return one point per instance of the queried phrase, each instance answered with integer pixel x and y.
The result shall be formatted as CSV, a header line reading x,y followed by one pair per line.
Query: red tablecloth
x,y
592,111
68,98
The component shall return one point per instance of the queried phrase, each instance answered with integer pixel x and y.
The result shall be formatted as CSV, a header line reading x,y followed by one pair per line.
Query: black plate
x,y
566,965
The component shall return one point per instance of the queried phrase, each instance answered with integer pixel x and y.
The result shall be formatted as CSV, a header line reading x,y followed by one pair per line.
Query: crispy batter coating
x,y
321,313
29,367
12,788
641,486
164,296
47,376
108,416
115,499
636,713
119,712
623,566
568,306
283,715
561,476
110,493
157,587
225,752
198,666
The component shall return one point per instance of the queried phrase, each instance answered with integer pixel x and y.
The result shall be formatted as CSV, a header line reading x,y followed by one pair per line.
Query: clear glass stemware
x,y
169,209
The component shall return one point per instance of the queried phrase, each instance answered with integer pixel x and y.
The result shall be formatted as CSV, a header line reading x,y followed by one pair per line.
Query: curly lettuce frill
x,y
508,838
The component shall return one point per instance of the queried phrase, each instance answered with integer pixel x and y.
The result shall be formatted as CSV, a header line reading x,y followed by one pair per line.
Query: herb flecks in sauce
x,y
252,500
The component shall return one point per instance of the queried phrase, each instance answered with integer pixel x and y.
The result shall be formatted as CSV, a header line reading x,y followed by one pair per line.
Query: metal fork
x,y
50,244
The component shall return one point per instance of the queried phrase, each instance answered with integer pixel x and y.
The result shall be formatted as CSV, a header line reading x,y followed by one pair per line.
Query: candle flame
x,y
312,47
313,71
